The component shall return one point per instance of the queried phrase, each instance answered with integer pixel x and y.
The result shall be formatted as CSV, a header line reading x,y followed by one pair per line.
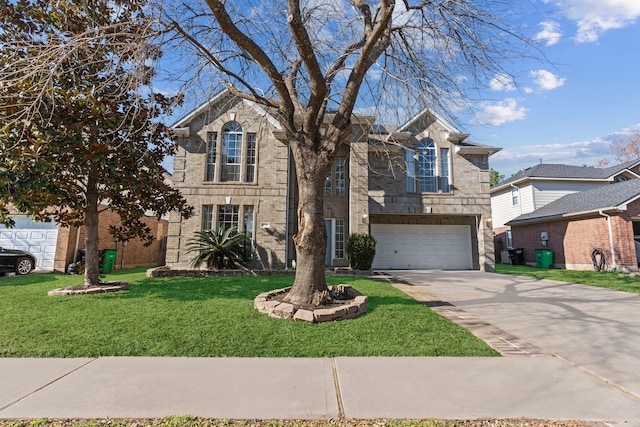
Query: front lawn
x,y
212,317
604,279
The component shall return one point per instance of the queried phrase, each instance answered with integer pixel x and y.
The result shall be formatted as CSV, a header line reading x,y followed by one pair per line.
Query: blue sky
x,y
566,110
569,107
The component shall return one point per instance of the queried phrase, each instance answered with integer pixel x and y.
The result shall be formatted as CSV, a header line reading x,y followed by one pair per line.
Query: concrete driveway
x,y
597,330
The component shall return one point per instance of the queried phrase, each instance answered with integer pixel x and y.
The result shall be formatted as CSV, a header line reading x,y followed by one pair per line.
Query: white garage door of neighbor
x,y
410,246
39,238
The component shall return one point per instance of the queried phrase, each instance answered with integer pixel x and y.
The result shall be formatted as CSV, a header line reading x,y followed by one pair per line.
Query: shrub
x,y
361,248
219,250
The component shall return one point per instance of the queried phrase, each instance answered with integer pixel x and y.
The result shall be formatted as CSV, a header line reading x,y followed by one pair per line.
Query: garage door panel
x,y
412,246
36,237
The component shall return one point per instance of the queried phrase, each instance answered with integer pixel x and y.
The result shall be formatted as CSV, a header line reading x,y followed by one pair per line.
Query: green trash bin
x,y
544,258
108,260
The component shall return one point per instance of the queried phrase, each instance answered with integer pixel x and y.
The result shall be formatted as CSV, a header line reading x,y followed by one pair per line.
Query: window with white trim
x,y
515,193
427,172
250,173
212,150
336,182
339,238
207,217
231,152
227,216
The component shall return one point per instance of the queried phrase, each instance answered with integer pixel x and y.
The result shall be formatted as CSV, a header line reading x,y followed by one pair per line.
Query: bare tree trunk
x,y
92,255
310,286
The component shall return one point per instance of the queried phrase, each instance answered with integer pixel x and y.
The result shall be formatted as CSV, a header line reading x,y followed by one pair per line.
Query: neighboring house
x,y
539,185
55,247
427,204
606,218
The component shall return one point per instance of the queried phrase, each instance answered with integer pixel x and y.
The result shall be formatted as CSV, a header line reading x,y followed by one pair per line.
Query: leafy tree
x,y
495,177
76,130
219,249
310,62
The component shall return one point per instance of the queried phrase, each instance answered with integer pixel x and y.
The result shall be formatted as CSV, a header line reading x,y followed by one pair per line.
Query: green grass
x,y
212,317
602,279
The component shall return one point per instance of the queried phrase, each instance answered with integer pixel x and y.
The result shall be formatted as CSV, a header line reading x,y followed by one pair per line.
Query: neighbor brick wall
x,y
573,241
133,254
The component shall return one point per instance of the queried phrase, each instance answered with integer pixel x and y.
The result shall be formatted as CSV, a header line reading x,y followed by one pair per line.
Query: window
x,y
247,222
514,196
339,242
335,184
444,170
250,173
247,228
340,175
427,181
410,157
227,216
207,217
509,239
231,152
432,172
212,150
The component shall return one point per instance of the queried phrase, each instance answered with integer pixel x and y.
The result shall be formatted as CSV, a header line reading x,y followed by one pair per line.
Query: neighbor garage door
x,y
39,238
402,246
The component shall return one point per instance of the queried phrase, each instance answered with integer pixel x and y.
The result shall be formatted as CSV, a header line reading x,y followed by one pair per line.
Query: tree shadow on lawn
x,y
31,279
245,288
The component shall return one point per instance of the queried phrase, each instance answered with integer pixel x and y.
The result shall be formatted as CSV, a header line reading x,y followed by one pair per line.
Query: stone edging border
x,y
265,303
106,287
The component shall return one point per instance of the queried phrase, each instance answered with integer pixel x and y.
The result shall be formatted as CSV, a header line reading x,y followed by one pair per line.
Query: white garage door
x,y
39,238
408,246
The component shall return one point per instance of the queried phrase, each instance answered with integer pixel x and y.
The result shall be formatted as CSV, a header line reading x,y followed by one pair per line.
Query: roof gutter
x,y
613,251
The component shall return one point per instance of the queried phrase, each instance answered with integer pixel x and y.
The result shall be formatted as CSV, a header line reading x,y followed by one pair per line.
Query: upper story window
x,y
515,193
335,183
212,150
231,152
231,158
427,172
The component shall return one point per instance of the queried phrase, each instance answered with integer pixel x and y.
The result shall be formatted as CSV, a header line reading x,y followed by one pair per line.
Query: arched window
x,y
231,152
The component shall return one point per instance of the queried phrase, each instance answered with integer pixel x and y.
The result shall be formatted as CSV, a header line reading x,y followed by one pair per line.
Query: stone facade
x,y
368,187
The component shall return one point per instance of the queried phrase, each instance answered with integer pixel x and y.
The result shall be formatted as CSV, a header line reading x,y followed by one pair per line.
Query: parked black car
x,y
16,261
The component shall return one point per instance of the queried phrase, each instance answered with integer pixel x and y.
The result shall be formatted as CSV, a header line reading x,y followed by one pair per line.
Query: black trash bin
x,y
516,255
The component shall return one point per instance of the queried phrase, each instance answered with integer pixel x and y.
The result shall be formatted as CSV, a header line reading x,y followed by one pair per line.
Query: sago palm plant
x,y
218,249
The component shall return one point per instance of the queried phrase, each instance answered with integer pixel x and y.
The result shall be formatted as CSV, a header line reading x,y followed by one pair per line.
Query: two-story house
x,y
568,209
544,183
421,189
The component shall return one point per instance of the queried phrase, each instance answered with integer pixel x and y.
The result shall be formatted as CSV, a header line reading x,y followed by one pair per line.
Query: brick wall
x,y
573,241
133,254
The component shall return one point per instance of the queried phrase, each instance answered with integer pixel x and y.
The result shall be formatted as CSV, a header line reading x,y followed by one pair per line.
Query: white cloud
x,y
595,17
498,113
550,33
577,153
502,82
546,80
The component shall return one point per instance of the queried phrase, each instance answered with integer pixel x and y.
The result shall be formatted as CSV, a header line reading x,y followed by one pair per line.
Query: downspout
x,y
613,251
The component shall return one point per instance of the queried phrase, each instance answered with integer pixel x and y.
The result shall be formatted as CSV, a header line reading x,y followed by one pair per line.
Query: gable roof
x,y
568,172
220,96
613,197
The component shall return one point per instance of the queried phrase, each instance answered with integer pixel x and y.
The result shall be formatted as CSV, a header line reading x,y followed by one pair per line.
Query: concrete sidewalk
x,y
325,388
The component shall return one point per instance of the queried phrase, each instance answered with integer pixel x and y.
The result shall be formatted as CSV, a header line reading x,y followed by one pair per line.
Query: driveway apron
x,y
595,329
